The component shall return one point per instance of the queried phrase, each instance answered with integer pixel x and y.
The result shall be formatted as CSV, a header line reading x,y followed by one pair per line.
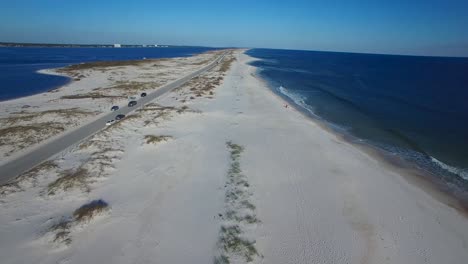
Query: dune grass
x,y
28,133
62,231
87,211
233,243
239,213
26,116
91,95
69,179
84,214
152,139
132,87
19,137
28,176
226,64
23,129
101,65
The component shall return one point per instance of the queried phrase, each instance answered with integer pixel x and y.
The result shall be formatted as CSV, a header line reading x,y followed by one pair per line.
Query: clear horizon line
x,y
226,47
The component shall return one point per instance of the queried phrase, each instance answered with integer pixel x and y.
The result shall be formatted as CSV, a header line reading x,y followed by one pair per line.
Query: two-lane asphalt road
x,y
15,167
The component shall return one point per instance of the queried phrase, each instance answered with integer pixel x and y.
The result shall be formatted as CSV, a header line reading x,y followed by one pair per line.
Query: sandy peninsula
x,y
94,88
219,171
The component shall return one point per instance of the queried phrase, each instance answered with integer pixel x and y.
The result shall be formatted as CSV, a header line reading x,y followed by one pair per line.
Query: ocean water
x,y
414,107
19,66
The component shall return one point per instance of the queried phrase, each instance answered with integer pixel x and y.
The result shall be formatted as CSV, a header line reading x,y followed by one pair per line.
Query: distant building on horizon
x,y
117,46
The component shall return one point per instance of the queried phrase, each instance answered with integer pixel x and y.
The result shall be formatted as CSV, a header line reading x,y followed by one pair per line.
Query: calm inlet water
x,y
416,107
19,66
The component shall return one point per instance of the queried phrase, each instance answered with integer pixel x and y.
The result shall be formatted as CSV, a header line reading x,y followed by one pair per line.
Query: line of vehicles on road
x,y
131,103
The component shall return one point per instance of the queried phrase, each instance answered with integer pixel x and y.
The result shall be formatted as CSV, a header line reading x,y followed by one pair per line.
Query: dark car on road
x,y
132,103
118,117
115,108
143,94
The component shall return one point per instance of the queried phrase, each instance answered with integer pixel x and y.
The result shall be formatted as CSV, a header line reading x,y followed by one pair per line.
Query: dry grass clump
x,y
88,143
153,113
101,155
132,87
164,109
25,116
28,133
91,95
99,160
233,243
69,179
102,65
22,136
99,141
205,84
44,166
202,62
235,150
103,160
26,129
239,213
155,107
29,176
226,64
23,129
222,259
88,211
62,231
152,139
84,214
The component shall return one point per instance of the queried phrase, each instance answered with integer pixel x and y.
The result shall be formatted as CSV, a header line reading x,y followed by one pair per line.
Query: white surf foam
x,y
297,99
458,171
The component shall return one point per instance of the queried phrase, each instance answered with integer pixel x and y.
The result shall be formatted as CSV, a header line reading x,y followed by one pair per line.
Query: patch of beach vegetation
x,y
239,215
205,84
33,117
61,231
28,179
71,178
226,63
92,95
103,65
153,114
24,129
87,211
97,157
22,136
93,159
202,62
152,139
233,243
129,88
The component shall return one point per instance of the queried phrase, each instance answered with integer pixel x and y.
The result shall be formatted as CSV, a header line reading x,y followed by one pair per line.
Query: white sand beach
x,y
224,173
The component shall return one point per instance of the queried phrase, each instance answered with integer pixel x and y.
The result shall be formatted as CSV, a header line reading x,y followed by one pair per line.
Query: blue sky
x,y
431,27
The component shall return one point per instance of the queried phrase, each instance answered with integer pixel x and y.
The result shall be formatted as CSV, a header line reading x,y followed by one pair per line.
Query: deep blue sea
x,y
18,66
415,107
